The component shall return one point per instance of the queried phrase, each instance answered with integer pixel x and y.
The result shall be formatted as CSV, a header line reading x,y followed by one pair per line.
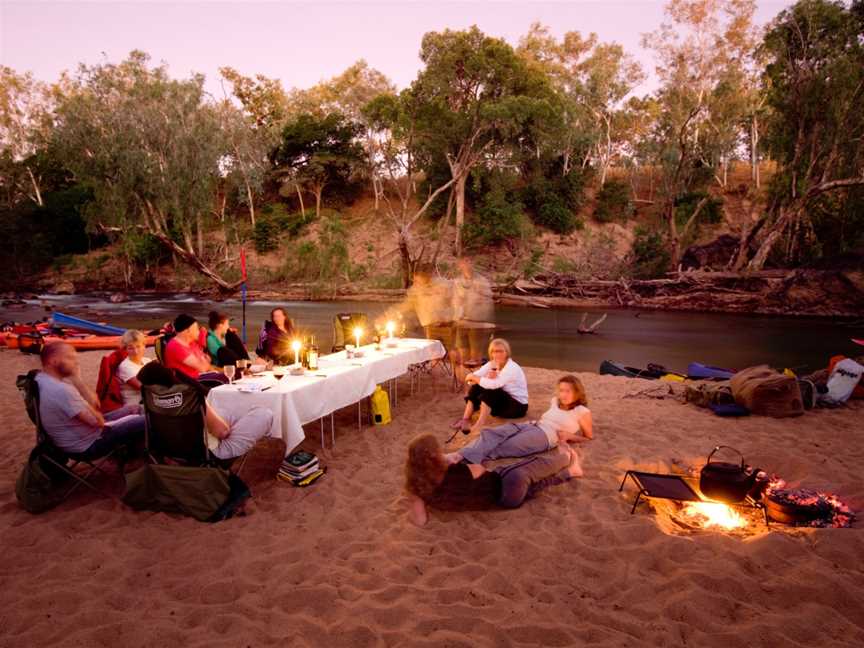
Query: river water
x,y
540,337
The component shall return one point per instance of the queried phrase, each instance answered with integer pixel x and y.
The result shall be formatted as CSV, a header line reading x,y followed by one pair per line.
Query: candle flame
x,y
295,345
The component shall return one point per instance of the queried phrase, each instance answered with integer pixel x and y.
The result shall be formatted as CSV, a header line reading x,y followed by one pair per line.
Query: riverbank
x,y
338,564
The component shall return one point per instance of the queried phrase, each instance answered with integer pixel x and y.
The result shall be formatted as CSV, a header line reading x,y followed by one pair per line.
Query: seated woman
x,y
498,388
277,333
430,481
223,345
227,437
127,371
567,419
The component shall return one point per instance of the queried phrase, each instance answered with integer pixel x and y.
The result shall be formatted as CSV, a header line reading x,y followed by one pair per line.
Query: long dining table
x,y
339,381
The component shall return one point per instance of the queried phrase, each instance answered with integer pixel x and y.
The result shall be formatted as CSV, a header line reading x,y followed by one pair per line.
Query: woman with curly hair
x,y
431,480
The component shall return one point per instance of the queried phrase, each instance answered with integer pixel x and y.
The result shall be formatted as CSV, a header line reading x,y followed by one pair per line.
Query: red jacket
x,y
107,384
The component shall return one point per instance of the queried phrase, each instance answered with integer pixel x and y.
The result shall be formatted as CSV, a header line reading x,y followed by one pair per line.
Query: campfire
x,y
734,498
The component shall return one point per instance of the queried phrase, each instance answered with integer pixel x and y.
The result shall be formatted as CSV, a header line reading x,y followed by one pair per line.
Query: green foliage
x,y
532,265
275,223
144,249
553,198
36,235
711,212
650,254
614,202
319,152
497,218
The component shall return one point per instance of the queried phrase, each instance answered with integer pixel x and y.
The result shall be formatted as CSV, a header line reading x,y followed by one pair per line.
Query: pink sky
x,y
297,42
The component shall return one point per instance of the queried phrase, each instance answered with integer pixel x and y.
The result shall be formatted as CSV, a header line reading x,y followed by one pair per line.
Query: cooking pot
x,y
724,481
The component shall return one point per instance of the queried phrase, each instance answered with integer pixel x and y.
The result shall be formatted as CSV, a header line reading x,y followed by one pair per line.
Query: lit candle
x,y
390,328
296,346
357,332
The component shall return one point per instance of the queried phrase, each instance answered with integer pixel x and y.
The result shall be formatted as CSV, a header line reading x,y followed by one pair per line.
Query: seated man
x,y
69,410
227,437
184,353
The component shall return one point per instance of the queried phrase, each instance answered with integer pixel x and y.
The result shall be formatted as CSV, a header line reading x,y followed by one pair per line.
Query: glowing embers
x,y
712,514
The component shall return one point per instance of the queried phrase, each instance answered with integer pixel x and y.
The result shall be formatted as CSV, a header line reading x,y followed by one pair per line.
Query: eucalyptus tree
x,y
316,152
700,49
593,80
394,121
25,123
473,95
150,147
815,77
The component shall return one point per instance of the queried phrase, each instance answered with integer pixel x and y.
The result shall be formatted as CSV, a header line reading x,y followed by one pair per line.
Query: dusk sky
x,y
297,42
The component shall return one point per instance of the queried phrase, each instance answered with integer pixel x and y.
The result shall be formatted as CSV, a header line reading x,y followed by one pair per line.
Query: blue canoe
x,y
699,371
67,321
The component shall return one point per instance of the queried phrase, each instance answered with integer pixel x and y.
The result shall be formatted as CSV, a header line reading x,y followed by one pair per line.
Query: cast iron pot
x,y
724,481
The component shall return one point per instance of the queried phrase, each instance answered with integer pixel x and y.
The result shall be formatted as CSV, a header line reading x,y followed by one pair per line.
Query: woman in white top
x,y
498,388
567,419
127,371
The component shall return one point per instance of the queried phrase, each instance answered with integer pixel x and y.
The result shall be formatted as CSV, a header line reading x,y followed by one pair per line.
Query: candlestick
x,y
357,332
390,328
296,346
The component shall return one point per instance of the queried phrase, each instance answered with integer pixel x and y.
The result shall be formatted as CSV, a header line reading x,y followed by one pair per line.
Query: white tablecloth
x,y
339,382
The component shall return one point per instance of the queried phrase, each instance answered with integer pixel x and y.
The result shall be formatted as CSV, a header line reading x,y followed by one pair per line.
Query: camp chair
x,y
446,334
47,450
174,427
159,346
343,328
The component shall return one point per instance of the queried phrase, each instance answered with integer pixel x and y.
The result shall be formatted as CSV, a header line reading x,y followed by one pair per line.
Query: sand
x,y
338,564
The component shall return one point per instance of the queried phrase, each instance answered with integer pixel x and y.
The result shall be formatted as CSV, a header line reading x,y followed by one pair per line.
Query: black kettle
x,y
726,482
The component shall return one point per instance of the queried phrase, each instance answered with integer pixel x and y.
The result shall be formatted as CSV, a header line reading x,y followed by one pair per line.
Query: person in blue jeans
x,y
69,409
431,480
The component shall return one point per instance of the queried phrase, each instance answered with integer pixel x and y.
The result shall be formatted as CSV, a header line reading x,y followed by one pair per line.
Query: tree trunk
x,y
251,203
300,197
318,192
37,195
405,255
754,151
199,233
460,210
195,262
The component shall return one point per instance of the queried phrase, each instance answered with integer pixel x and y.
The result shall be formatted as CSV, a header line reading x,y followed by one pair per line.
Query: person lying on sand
x,y
430,481
226,438
567,420
498,388
69,409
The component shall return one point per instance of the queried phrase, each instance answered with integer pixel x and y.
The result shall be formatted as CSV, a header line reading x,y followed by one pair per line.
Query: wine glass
x,y
242,363
229,372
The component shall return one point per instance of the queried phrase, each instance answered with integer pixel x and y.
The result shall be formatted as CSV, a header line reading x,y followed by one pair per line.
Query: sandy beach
x,y
338,564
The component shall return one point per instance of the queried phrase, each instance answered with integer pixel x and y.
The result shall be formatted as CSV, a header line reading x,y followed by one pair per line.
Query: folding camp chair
x,y
174,427
55,457
445,334
343,328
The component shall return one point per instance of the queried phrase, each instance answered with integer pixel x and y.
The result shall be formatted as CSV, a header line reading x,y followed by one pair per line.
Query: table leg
x,y
360,416
332,431
322,432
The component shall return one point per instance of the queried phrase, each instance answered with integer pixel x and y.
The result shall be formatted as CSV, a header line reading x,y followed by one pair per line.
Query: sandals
x,y
458,424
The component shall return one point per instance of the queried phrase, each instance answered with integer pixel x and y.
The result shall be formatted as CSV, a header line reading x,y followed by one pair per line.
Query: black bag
x,y
31,343
207,494
35,488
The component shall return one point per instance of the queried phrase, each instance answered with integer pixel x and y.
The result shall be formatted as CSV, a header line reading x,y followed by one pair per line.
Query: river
x,y
540,337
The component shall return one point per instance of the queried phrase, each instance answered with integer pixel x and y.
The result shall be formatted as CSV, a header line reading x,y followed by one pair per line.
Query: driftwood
x,y
590,330
793,292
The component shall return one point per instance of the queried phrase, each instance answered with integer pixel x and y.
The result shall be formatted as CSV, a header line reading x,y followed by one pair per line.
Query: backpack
x,y
31,343
107,384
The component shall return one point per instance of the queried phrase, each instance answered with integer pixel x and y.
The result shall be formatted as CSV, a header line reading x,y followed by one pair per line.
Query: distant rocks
x,y
63,288
119,298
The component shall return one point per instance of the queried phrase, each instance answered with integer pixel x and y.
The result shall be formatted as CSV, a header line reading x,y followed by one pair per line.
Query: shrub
x,y
265,236
650,254
614,202
685,205
498,218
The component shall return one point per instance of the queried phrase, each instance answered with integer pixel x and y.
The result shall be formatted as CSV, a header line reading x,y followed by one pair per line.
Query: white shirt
x,y
556,419
126,370
511,379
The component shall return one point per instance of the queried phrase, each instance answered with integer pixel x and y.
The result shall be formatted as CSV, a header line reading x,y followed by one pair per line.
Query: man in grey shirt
x,y
69,410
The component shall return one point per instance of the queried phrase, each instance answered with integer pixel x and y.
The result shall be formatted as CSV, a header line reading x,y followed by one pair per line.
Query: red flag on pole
x,y
243,263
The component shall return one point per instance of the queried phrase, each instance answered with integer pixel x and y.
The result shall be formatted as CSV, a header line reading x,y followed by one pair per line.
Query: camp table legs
x,y
332,432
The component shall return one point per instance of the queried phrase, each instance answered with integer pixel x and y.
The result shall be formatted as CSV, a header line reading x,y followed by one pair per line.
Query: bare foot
x,y
452,458
474,429
575,468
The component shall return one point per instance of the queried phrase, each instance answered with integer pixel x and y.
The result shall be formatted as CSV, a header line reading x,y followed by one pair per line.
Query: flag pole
x,y
243,288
